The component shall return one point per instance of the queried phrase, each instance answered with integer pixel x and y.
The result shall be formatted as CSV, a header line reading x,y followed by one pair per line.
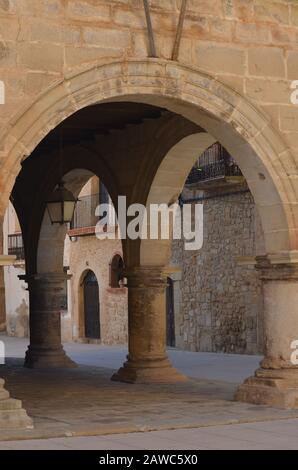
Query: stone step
x,y
15,419
12,415
3,394
10,404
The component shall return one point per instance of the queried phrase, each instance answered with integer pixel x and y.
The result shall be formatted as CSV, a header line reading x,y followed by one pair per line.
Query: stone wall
x,y
89,253
86,253
221,301
242,42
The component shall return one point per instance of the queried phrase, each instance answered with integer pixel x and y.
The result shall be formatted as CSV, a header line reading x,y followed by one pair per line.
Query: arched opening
x,y
117,141
243,130
91,306
116,271
140,125
171,336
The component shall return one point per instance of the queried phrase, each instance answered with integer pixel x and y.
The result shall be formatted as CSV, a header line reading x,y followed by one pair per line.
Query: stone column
x,y
275,383
46,300
147,360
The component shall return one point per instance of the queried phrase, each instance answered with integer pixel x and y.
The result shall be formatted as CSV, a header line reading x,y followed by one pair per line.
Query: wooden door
x,y
91,306
170,314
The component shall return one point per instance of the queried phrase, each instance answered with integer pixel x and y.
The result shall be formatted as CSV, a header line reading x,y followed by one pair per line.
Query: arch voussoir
x,y
182,89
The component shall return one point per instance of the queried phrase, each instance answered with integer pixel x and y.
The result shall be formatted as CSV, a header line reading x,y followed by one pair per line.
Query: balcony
x,y
16,246
84,220
215,169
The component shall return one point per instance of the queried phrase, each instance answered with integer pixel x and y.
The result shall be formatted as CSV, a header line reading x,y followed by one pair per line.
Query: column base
x,y
12,415
273,387
38,358
148,372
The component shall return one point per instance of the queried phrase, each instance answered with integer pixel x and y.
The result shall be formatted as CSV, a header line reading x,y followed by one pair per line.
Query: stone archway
x,y
245,132
225,114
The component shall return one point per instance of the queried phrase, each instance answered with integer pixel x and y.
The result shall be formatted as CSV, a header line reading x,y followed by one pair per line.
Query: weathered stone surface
x,y
221,306
86,402
45,350
276,382
266,61
12,415
147,360
96,255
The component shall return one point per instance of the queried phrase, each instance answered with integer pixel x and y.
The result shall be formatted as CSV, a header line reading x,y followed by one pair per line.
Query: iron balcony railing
x,y
214,163
16,246
212,171
84,215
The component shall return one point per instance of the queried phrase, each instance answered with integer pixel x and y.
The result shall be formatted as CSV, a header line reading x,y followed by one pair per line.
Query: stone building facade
x,y
220,308
89,253
229,79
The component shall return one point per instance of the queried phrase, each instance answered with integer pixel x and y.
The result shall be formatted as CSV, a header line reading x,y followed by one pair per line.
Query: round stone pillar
x,y
147,360
46,300
275,383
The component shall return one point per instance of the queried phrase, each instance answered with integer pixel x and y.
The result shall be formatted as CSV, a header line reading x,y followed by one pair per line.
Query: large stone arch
x,y
245,131
266,162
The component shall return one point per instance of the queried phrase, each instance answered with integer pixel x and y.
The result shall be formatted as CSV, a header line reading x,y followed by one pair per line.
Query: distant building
x,y
95,307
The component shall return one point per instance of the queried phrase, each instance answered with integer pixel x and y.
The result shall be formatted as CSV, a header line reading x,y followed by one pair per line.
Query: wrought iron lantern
x,y
61,205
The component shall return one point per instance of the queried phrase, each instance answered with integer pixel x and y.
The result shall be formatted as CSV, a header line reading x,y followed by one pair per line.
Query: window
x,y
16,246
103,194
116,271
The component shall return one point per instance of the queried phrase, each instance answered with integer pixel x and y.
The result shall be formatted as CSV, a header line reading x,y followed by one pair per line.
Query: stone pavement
x,y
273,435
84,402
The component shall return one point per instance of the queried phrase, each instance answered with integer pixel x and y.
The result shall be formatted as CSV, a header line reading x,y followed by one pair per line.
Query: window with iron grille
x,y
16,246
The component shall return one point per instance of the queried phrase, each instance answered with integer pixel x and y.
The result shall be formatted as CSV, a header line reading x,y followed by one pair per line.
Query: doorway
x,y
91,306
171,340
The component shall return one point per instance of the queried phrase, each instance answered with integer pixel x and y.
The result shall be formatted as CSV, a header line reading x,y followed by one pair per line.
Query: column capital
x,y
277,267
147,276
46,279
